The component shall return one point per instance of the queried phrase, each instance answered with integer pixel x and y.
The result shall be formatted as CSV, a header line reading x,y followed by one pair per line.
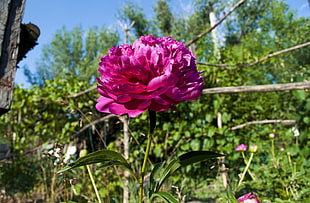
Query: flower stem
x,y
246,169
93,183
147,151
246,162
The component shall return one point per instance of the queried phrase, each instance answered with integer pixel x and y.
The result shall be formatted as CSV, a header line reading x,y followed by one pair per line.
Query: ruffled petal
x,y
103,104
161,81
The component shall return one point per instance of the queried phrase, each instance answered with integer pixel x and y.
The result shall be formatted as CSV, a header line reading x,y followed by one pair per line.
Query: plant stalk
x,y
93,183
246,169
246,162
152,121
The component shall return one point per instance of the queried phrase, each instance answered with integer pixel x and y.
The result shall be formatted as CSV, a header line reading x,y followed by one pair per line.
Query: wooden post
x,y
10,21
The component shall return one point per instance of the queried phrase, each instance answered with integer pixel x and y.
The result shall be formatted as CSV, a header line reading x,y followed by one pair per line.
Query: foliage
x,y
45,114
132,13
84,52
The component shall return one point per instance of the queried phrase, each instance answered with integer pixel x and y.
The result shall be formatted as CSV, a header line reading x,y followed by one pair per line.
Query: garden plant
x,y
151,119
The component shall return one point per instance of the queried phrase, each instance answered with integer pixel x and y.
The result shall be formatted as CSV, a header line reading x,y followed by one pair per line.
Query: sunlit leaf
x,y
106,157
182,161
167,197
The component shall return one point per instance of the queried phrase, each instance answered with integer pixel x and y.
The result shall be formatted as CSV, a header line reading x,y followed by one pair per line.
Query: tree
x,y
194,126
132,13
164,18
84,53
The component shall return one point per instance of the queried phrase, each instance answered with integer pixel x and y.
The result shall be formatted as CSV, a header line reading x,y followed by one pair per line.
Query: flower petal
x,y
103,104
161,81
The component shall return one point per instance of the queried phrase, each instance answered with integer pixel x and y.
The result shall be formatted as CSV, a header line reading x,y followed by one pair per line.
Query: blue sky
x,y
52,15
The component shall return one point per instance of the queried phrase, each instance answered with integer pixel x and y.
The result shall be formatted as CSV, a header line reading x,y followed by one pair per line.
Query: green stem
x,y
93,183
246,169
152,120
274,159
246,162
147,151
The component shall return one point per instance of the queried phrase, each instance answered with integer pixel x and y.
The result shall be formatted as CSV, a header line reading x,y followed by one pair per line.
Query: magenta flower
x,y
241,148
249,198
153,73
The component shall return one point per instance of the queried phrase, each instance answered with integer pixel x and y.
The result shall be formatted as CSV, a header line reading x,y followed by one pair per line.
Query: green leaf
x,y
170,169
167,197
106,157
182,161
231,197
154,174
300,94
197,156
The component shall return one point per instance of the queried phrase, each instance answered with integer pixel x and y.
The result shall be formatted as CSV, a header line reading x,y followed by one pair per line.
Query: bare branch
x,y
216,24
239,89
259,60
275,54
285,122
106,118
225,66
258,88
83,92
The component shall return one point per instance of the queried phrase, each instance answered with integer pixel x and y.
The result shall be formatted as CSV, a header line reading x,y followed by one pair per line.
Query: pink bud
x,y
272,135
249,198
241,148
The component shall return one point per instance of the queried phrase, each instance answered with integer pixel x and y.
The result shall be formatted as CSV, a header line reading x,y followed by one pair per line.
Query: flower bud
x,y
241,148
83,152
253,148
249,198
271,135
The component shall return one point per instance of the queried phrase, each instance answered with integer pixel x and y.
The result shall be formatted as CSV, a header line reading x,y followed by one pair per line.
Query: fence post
x,y
10,20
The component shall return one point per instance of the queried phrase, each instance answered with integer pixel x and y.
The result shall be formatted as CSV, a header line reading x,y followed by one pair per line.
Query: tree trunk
x,y
215,40
10,20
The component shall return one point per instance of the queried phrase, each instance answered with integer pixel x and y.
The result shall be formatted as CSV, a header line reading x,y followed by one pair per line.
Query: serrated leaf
x,y
106,157
167,197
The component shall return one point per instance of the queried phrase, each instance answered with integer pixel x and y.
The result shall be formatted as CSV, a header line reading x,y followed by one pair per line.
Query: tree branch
x,y
259,60
83,92
258,88
106,118
215,25
239,89
285,122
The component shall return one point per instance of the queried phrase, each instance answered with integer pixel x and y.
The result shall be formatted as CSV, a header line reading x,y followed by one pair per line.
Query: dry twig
x,y
259,60
258,88
285,122
215,25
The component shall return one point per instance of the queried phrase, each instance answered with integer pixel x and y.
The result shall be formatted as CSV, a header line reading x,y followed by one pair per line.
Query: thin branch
x,y
275,54
285,122
106,118
239,89
216,24
259,60
224,66
83,92
258,88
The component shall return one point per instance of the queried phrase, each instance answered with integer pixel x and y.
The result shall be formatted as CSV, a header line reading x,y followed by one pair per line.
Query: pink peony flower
x,y
153,73
241,148
249,198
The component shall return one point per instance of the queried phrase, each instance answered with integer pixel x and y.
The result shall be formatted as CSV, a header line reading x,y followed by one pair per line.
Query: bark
x,y
10,20
258,88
